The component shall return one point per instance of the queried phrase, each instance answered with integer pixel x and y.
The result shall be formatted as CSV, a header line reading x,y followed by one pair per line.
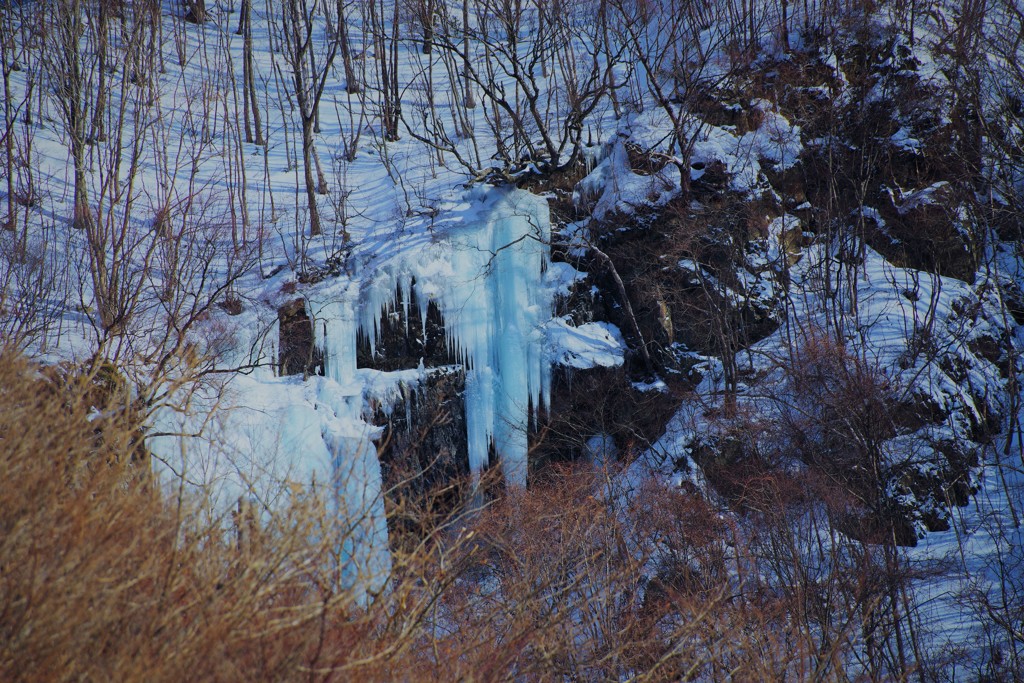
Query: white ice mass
x,y
485,265
485,275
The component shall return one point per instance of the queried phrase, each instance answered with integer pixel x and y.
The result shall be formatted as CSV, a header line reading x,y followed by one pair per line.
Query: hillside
x,y
533,340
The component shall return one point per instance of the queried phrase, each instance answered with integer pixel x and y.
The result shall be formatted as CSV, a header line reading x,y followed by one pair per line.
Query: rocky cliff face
x,y
852,251
821,245
852,231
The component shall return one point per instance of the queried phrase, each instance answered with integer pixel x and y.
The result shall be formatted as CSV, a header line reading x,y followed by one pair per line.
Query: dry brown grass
x,y
103,577
106,576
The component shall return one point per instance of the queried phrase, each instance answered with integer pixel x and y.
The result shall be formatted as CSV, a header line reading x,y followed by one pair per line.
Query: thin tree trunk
x,y
250,102
309,84
467,84
352,85
75,111
98,133
11,222
82,219
785,25
396,102
307,162
385,52
428,26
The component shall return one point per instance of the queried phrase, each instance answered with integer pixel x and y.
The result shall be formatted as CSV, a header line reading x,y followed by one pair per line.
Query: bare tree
x,y
71,70
467,82
250,100
384,29
309,69
541,68
8,63
353,83
673,63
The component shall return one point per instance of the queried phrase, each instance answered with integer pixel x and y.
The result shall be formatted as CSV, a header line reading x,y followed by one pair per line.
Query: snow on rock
x,y
933,194
775,141
591,345
613,187
600,449
904,140
562,277
934,339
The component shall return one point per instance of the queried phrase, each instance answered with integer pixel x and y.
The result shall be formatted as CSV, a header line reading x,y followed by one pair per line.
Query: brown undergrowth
x,y
108,574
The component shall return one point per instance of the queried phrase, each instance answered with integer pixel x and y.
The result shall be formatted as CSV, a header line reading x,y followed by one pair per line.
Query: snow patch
x,y
591,345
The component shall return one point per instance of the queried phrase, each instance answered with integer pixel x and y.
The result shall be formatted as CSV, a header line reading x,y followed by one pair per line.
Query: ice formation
x,y
486,278
485,266
356,479
365,560
279,435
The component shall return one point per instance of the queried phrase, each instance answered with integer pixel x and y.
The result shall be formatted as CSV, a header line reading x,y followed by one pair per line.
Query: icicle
x,y
335,335
493,311
479,417
423,301
487,281
407,399
273,336
406,288
365,559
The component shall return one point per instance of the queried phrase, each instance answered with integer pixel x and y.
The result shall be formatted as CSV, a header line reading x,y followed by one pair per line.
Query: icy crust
x,y
485,271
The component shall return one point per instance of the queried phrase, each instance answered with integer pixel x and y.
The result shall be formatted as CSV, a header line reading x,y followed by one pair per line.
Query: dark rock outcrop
x,y
296,352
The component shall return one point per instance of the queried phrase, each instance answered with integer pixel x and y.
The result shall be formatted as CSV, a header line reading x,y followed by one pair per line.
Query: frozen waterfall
x,y
485,274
